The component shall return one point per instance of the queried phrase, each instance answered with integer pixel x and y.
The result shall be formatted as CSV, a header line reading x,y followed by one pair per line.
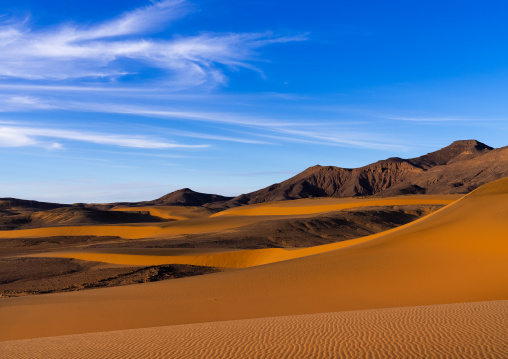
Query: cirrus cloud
x,y
21,136
117,47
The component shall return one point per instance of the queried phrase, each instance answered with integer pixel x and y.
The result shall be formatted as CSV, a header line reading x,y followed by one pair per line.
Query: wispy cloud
x,y
17,136
304,131
214,117
308,131
330,137
28,101
76,52
216,137
428,119
442,119
301,129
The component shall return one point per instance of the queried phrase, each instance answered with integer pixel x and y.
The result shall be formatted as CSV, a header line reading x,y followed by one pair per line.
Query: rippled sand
x,y
466,330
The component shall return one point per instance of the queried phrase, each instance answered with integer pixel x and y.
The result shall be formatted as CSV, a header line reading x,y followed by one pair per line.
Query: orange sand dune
x,y
321,205
466,330
239,258
170,212
199,224
457,254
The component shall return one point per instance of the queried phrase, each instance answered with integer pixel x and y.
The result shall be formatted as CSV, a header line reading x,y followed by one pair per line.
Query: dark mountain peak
x,y
318,171
316,168
470,144
394,159
183,190
455,152
186,197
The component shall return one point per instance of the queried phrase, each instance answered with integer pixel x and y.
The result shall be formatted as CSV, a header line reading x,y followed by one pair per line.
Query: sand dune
x,y
170,212
321,205
466,330
201,224
245,258
457,254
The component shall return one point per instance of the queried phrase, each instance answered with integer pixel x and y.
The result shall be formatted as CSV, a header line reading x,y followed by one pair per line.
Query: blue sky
x,y
128,100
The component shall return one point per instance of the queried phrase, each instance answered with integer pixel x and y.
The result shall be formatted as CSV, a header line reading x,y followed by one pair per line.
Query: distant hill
x,y
68,216
185,197
457,168
15,204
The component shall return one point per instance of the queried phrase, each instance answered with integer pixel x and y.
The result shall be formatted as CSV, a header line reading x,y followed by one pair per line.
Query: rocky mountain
x,y
457,168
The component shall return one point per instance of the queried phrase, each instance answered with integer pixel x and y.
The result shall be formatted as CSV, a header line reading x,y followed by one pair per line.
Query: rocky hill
x,y
185,197
457,168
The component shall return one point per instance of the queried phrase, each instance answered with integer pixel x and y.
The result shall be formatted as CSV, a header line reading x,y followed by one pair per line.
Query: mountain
x,y
457,168
185,197
456,152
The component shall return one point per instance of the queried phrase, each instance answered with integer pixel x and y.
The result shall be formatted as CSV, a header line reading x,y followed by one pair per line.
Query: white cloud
x,y
11,136
28,102
138,21
73,52
55,146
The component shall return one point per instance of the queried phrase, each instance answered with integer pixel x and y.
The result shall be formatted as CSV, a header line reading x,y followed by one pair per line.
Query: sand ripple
x,y
466,330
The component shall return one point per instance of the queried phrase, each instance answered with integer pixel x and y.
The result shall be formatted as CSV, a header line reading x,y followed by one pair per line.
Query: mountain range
x,y
458,168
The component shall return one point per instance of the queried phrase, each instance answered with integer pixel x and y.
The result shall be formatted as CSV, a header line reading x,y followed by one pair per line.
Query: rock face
x,y
185,197
457,168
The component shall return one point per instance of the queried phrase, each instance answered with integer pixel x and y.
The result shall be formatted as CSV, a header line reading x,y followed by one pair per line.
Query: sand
x,y
457,254
230,219
465,330
322,205
178,213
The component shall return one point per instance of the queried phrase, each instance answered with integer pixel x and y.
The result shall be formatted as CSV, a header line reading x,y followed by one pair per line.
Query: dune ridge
x,y
305,206
464,330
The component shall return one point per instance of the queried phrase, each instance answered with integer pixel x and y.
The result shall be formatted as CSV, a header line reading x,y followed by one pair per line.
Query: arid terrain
x,y
401,258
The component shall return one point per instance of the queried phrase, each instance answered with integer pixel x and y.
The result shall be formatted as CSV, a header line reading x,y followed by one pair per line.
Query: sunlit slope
x,y
170,212
202,224
321,205
458,254
464,330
